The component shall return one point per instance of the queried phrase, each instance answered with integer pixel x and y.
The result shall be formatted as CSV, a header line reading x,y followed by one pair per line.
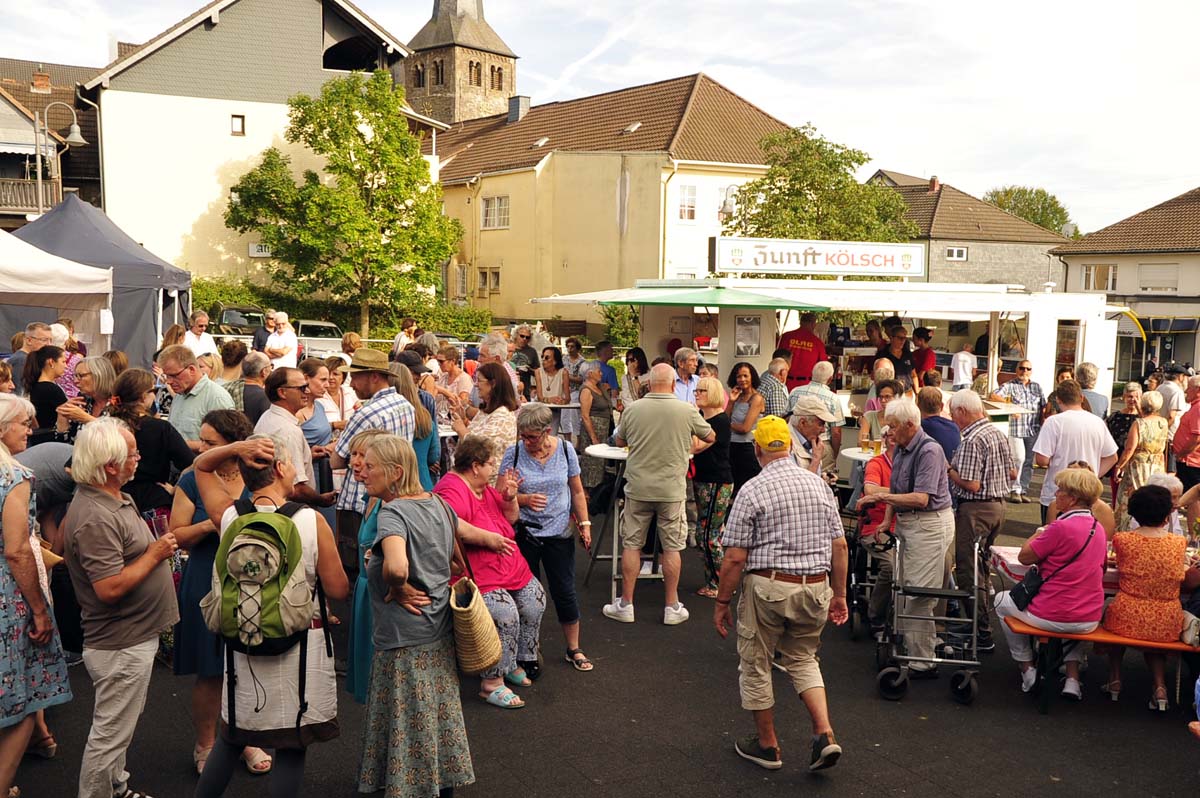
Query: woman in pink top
x,y
1070,553
513,597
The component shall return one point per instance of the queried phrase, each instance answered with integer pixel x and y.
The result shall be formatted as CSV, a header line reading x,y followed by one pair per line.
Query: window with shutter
x,y
1158,277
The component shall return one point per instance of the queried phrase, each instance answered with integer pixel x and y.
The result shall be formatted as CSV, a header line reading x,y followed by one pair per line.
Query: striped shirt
x,y
786,518
386,410
984,456
1030,397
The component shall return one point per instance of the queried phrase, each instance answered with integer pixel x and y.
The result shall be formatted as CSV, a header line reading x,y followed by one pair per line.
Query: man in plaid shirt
x,y
383,409
783,538
1023,428
773,387
980,473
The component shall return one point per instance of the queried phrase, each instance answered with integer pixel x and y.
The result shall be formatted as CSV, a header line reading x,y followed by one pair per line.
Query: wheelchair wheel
x,y
964,686
893,683
855,622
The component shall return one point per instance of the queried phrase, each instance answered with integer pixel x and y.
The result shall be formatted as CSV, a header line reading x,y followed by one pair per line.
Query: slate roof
x,y
898,178
128,55
948,213
1172,226
693,118
461,23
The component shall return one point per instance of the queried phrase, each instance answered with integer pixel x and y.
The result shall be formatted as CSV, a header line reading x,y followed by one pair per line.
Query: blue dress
x,y
319,432
32,677
362,649
197,650
429,448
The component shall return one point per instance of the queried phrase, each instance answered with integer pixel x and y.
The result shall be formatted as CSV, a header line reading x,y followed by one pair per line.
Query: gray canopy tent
x,y
148,292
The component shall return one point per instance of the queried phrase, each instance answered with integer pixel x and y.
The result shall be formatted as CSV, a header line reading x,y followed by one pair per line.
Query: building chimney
x,y
41,82
518,106
934,185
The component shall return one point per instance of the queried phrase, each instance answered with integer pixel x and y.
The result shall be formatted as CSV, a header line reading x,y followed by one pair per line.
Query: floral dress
x,y
32,677
1147,603
1147,459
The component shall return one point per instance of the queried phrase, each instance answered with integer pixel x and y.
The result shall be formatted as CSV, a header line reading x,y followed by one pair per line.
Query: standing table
x,y
612,519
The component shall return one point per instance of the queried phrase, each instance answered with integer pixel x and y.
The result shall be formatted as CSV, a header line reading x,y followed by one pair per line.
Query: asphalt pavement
x,y
659,714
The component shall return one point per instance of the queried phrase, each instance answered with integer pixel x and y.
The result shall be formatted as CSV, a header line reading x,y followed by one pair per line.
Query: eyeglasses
x,y
532,437
175,376
202,326
1024,368
135,455
701,390
300,388
79,373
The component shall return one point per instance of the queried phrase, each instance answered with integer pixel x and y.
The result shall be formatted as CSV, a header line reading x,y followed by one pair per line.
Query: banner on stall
x,y
795,256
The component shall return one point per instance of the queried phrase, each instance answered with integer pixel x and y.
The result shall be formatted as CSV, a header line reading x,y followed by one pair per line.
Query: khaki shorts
x,y
672,524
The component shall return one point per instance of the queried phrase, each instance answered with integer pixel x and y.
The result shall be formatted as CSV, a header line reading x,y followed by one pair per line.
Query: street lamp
x,y
41,130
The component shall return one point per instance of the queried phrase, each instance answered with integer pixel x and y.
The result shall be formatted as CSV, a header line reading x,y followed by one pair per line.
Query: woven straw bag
x,y
476,641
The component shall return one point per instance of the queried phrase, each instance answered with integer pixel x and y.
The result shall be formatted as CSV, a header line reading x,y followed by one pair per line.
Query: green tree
x,y
620,324
810,192
1032,204
370,228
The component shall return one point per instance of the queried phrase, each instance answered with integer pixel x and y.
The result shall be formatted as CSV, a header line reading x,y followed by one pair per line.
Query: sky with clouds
x,y
1094,101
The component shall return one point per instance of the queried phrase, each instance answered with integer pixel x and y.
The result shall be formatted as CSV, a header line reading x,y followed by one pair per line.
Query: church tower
x,y
460,68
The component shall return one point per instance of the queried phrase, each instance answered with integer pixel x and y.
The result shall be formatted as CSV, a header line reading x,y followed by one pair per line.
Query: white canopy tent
x,y
943,301
38,286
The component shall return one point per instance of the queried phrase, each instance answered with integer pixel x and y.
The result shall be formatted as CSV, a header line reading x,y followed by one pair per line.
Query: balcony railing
x,y
20,196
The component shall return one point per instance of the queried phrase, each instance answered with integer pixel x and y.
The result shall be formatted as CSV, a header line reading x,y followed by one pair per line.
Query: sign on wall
x,y
795,256
260,251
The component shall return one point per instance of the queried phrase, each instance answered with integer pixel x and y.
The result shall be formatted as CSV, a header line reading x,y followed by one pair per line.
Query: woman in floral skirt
x,y
414,738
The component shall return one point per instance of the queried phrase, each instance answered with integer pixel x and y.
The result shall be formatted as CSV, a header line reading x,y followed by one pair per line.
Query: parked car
x,y
317,338
235,319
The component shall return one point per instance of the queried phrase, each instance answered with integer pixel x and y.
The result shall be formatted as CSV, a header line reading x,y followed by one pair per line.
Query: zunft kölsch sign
x,y
792,256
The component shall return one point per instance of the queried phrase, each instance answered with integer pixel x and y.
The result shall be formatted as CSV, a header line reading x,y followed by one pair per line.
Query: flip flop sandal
x,y
44,747
582,664
517,678
707,592
255,758
200,757
504,698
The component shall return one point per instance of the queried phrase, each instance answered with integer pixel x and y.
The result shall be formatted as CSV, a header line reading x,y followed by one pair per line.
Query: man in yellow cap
x,y
782,540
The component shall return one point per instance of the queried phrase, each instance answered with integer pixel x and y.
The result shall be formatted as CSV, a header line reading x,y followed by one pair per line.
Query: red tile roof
x,y
692,118
1172,226
949,214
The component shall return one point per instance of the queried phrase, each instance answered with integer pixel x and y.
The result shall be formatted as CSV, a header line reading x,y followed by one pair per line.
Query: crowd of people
x,y
402,471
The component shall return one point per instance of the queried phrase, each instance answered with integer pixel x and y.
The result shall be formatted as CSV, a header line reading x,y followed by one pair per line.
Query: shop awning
x,y
707,296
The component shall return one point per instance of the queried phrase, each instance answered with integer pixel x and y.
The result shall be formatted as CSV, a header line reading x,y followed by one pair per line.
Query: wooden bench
x,y
1051,651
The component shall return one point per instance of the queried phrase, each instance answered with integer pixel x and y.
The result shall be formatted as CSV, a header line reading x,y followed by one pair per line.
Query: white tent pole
x,y
993,353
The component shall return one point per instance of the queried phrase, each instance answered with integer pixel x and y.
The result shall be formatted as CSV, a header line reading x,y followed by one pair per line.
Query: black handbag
x,y
1024,591
521,528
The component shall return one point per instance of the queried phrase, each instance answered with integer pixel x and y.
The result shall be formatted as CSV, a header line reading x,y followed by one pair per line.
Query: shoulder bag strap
x,y
1091,533
454,536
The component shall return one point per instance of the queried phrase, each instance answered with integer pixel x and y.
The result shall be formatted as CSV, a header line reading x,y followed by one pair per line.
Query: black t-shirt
x,y
903,365
712,464
259,344
46,397
254,402
161,447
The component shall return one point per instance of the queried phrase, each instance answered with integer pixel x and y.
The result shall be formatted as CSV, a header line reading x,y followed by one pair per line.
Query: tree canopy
x,y
371,227
810,192
1031,204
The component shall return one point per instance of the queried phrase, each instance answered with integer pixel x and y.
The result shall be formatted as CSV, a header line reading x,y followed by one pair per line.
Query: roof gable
x,y
889,178
22,133
947,213
211,14
1171,226
459,23
690,118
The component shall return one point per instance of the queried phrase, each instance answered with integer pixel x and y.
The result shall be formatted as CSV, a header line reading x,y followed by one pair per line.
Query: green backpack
x,y
260,602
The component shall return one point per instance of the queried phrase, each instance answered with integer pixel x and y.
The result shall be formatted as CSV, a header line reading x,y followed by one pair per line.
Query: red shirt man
x,y
1186,443
806,348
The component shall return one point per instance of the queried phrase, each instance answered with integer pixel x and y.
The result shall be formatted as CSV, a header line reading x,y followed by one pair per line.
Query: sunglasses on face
x,y
1024,368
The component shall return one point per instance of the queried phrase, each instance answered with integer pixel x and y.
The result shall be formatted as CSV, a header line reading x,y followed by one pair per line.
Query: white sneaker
x,y
1072,689
1028,679
646,566
673,617
619,611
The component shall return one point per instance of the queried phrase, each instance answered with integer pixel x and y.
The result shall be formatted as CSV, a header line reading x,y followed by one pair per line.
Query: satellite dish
x,y
1069,229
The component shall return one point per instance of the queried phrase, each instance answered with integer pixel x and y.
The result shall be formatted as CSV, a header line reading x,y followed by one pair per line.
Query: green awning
x,y
708,296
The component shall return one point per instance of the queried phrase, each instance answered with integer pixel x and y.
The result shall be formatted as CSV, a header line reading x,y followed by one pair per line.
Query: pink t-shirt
x,y
1074,594
493,570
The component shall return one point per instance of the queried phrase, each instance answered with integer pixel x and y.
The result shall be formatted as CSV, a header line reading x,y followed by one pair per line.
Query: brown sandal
x,y
44,747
